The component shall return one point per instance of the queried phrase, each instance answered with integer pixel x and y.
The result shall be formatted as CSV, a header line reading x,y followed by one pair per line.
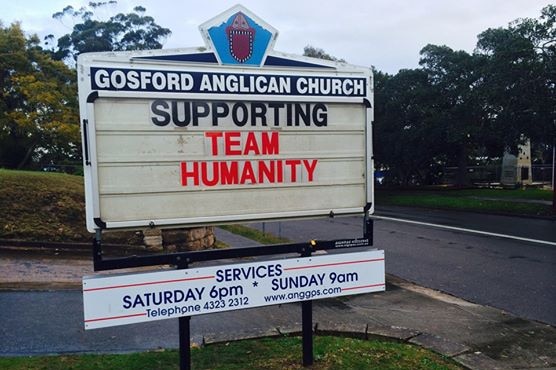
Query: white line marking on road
x,y
464,230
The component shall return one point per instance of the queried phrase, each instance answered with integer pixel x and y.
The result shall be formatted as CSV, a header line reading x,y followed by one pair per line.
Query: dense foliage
x,y
132,31
38,103
39,119
459,107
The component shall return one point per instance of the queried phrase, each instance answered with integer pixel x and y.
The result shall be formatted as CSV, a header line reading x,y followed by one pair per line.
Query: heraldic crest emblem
x,y
239,37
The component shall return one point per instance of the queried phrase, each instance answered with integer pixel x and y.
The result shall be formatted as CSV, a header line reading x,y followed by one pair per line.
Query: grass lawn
x,y
51,207
47,206
517,202
269,353
254,234
42,206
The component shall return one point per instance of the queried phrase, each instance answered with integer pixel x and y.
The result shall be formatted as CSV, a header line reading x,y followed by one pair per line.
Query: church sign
x,y
231,132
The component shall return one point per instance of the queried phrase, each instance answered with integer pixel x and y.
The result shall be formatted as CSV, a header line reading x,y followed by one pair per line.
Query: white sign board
x,y
127,299
189,137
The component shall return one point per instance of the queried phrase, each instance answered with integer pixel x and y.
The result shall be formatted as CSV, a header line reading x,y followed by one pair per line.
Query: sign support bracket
x,y
184,259
368,225
97,248
178,259
369,230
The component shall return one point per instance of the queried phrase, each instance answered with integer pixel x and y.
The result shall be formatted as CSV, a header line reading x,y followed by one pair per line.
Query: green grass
x,y
254,234
269,353
42,206
482,200
516,194
49,207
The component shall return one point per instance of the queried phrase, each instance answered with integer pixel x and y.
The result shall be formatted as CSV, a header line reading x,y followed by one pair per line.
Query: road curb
x,y
431,293
77,248
18,286
539,217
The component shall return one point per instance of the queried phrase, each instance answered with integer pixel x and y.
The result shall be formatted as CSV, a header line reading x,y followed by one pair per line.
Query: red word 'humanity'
x,y
246,172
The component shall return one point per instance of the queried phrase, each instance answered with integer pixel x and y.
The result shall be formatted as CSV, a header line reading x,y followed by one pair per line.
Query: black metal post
x,y
184,333
369,229
185,343
307,319
97,248
307,332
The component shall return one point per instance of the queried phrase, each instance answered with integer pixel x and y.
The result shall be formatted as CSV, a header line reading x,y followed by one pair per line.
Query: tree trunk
x,y
553,201
553,180
25,159
461,178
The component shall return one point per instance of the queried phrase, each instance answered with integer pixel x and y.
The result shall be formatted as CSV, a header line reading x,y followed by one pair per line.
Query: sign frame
x,y
149,60
140,67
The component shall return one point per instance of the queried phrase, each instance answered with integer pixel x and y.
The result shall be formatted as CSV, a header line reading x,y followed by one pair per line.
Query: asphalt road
x,y
526,227
52,322
516,276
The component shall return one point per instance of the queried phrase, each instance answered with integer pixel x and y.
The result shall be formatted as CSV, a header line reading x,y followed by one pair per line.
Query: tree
x,y
519,87
454,78
469,104
132,31
520,79
313,52
404,130
38,105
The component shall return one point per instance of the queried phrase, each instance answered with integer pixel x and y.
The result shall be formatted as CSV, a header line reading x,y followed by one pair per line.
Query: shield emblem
x,y
240,38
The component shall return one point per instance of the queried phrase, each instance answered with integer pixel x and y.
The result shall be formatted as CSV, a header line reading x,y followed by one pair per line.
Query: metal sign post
x,y
184,324
307,326
185,342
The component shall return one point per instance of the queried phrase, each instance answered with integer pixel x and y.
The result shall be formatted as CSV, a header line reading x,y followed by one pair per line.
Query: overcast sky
x,y
387,34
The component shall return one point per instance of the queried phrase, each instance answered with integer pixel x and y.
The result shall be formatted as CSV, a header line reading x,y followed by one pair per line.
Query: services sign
x,y
231,132
126,299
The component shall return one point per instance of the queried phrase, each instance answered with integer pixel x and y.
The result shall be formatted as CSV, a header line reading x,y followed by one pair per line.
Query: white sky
x,y
387,34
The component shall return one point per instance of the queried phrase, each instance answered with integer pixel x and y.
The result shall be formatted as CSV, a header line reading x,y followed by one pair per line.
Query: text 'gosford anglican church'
x,y
124,79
